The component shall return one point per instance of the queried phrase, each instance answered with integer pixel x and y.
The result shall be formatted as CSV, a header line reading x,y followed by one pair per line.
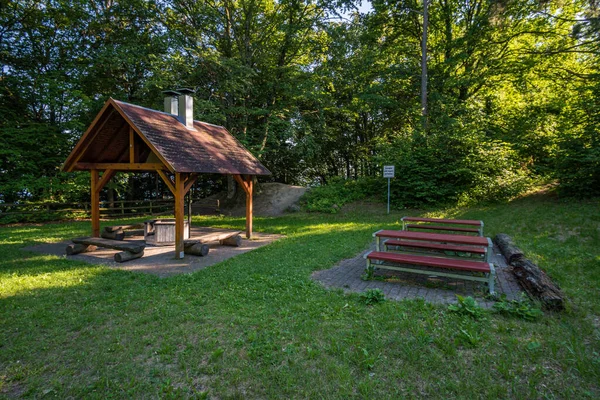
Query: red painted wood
x,y
436,246
434,237
450,263
442,228
444,221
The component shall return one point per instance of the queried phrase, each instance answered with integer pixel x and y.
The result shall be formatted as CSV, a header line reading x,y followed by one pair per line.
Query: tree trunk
x,y
510,251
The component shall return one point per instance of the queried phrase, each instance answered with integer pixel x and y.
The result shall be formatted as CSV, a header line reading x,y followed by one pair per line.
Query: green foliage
x,y
467,306
372,296
522,308
331,197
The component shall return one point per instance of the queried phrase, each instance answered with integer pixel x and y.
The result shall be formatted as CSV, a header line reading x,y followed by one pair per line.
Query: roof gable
x,y
207,149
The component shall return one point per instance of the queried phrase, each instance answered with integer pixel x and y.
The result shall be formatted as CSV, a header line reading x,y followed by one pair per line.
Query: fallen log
x,y
114,235
508,248
197,249
531,277
73,249
235,241
126,256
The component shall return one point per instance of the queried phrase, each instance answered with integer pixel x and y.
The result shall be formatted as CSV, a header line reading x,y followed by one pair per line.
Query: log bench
x,y
119,232
434,266
198,246
128,250
476,227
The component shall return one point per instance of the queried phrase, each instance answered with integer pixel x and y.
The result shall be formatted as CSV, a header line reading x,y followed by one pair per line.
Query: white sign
x,y
388,171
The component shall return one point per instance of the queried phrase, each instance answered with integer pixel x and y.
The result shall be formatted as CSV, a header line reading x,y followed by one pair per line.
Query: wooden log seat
x,y
128,250
195,248
438,266
444,225
435,247
120,232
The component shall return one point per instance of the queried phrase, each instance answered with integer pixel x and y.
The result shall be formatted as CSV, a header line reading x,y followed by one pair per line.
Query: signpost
x,y
388,172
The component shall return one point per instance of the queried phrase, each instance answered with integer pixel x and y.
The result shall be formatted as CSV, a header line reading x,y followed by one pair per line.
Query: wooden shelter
x,y
127,137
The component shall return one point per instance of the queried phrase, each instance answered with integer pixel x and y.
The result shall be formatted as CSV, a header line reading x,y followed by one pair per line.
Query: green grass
x,y
257,326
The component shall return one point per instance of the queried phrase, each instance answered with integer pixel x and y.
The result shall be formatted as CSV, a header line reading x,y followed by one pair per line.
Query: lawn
x,y
257,326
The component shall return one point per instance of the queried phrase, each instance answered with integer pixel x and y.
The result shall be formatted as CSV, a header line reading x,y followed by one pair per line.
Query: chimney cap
x,y
170,92
185,91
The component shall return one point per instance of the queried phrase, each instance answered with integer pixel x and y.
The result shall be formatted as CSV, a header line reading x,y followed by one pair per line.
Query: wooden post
x,y
131,147
95,202
179,214
249,192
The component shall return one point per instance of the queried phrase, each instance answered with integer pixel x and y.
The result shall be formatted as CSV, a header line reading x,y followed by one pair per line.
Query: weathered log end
x,y
114,235
508,248
126,256
235,241
73,249
197,249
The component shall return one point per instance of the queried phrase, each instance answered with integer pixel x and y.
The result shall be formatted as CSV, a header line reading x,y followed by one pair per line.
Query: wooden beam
x,y
95,200
131,146
249,205
167,181
242,182
179,214
106,176
189,182
122,166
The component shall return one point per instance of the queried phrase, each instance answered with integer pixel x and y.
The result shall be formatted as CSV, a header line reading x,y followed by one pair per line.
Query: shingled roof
x,y
205,149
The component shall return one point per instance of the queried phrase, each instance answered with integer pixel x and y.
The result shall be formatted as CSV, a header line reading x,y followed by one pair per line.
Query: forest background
x,y
318,91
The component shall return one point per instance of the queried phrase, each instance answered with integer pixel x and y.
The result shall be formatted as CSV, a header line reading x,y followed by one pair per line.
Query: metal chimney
x,y
186,107
171,101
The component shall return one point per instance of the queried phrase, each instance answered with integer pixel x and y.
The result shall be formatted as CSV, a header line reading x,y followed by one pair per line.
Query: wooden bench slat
x,y
436,246
427,261
442,228
434,237
130,246
444,221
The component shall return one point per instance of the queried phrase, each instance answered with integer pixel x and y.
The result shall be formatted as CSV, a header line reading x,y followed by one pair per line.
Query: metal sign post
x,y
388,172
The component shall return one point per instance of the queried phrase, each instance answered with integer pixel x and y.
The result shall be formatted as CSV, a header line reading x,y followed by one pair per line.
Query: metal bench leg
x,y
491,278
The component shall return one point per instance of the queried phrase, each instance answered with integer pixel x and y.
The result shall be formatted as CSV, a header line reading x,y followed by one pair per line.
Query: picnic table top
x,y
434,237
445,221
428,261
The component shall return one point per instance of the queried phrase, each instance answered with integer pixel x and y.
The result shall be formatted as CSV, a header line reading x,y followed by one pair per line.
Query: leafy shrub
x,y
372,296
331,197
467,306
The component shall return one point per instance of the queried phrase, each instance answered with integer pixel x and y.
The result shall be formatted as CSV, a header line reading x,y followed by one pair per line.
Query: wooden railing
x,y
48,211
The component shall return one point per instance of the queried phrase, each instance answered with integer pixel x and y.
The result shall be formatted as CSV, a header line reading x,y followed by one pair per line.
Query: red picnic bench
x,y
446,225
461,269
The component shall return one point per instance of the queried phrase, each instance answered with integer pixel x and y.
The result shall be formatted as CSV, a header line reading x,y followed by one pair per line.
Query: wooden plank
x,y
122,166
95,203
436,246
442,228
434,237
179,214
211,237
445,221
167,181
427,261
123,227
130,246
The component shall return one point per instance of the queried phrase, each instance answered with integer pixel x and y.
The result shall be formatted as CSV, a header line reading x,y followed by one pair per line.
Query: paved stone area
x,y
402,285
160,260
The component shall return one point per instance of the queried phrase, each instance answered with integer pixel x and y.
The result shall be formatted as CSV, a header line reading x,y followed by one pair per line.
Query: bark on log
x,y
134,232
197,249
538,284
508,248
114,235
123,227
130,246
73,249
531,278
126,256
235,241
